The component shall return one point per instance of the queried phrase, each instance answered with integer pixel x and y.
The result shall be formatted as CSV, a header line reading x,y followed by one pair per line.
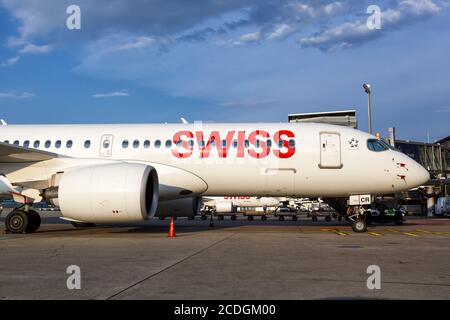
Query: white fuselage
x,y
308,160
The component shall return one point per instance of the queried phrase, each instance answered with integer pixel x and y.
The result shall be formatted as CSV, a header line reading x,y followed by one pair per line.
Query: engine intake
x,y
118,192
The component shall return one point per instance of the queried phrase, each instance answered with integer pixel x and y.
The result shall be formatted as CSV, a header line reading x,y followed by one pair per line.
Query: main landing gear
x,y
22,220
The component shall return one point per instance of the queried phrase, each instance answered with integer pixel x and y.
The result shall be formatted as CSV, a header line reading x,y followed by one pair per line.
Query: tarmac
x,y
233,260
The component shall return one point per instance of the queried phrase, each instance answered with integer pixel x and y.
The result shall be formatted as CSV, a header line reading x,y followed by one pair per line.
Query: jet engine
x,y
184,207
108,193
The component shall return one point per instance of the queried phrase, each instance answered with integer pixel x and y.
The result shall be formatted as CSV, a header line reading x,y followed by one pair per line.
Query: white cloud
x,y
139,43
34,49
350,33
111,94
17,96
10,62
281,31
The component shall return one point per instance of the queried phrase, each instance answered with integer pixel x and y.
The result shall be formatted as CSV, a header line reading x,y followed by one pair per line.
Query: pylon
x,y
172,233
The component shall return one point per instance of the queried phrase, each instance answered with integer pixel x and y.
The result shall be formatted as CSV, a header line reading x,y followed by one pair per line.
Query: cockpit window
x,y
377,145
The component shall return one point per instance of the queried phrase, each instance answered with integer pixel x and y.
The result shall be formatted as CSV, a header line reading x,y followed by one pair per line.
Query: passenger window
x,y
125,144
26,143
376,145
168,143
292,143
16,142
212,143
6,141
191,143
106,144
269,143
87,144
235,143
36,144
157,144
247,144
258,143
58,144
201,143
136,144
224,143
146,144
280,144
48,143
179,143
69,144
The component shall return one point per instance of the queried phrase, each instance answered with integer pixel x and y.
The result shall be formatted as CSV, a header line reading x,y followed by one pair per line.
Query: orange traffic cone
x,y
172,233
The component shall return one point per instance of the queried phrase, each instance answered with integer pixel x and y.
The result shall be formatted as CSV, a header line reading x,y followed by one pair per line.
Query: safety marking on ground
x,y
410,234
392,230
423,231
375,234
340,233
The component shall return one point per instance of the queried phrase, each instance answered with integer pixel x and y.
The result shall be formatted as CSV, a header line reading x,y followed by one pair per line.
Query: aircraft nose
x,y
419,176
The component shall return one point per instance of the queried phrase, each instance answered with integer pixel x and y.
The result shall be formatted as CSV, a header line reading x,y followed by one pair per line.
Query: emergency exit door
x,y
330,150
106,144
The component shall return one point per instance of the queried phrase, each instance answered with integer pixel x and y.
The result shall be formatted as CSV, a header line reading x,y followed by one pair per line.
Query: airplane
x,y
108,173
229,204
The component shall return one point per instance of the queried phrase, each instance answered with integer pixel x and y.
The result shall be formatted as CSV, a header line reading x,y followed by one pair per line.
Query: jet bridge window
x,y
376,145
87,144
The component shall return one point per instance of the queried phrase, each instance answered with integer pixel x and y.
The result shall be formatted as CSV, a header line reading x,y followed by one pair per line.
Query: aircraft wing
x,y
10,153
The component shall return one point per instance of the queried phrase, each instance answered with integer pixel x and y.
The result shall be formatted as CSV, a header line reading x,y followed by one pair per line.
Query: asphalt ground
x,y
233,260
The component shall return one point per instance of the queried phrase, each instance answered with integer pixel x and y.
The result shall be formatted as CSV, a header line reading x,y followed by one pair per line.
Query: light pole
x,y
367,89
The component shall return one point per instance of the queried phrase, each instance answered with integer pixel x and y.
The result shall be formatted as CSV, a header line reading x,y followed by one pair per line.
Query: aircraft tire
x,y
359,225
34,221
17,221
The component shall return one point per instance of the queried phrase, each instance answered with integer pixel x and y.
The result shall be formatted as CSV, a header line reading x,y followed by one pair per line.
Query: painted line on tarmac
x,y
375,234
410,234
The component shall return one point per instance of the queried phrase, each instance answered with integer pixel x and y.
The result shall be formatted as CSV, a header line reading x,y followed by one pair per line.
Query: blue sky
x,y
235,60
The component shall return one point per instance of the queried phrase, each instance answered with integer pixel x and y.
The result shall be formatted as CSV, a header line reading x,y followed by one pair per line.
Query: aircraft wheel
x,y
327,218
34,221
314,218
359,225
17,221
233,218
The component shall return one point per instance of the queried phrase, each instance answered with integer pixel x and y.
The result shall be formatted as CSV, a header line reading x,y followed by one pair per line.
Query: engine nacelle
x,y
224,207
118,192
184,207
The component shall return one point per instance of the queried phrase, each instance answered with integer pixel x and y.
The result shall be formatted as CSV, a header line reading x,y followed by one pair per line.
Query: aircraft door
x,y
106,144
330,150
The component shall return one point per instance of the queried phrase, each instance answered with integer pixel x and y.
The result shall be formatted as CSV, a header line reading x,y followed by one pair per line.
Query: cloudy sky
x,y
226,60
